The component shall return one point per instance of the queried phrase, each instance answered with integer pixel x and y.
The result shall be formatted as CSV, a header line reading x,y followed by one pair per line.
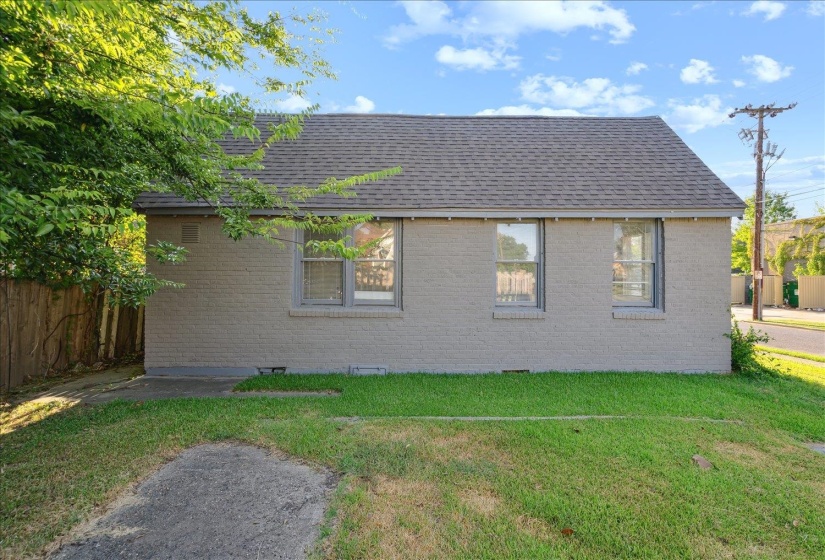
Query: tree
x,y
808,247
102,100
777,209
510,248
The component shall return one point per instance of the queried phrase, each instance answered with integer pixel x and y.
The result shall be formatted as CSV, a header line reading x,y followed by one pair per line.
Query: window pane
x,y
374,281
382,233
633,241
322,280
633,283
516,242
315,236
516,283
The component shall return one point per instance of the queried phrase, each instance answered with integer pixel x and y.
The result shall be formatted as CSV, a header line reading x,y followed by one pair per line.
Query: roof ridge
x,y
473,117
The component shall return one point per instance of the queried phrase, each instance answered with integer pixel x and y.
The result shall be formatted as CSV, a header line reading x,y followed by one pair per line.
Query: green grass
x,y
792,353
816,325
421,488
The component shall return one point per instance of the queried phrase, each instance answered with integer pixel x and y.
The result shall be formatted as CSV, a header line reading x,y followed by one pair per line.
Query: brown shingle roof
x,y
489,163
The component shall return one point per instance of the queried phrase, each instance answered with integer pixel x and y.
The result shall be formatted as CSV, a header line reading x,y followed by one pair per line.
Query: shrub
x,y
743,349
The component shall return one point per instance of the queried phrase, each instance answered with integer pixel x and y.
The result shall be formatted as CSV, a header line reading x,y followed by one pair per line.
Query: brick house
x,y
507,243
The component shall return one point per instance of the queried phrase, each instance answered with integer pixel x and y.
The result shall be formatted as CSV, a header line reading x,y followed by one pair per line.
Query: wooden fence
x,y
43,331
738,287
811,292
772,290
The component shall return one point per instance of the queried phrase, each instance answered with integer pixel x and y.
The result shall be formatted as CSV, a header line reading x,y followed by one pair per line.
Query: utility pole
x,y
759,198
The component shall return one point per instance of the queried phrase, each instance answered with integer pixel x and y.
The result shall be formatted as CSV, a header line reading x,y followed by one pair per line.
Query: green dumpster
x,y
791,293
749,294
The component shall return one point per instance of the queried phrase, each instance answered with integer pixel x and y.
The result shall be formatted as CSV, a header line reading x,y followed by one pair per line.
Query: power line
x,y
759,113
820,196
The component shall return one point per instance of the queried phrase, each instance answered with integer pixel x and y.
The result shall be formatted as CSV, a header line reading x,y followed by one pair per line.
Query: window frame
x,y
539,262
348,299
657,282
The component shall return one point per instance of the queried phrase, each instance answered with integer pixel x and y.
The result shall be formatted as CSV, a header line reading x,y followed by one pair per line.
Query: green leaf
x,y
44,229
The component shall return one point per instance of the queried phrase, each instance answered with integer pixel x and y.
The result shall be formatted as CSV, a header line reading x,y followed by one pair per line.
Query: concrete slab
x,y
123,384
818,447
151,388
213,501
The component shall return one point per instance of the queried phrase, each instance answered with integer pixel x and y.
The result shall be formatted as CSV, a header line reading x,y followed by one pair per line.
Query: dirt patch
x,y
398,518
212,501
482,501
465,446
394,434
534,527
744,454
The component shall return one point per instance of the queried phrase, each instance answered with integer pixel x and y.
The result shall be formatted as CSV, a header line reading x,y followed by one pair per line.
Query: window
x,y
372,279
636,263
518,263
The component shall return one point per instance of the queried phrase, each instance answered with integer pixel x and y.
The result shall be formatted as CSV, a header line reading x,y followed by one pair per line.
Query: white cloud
x,y
698,72
476,59
771,10
694,7
506,20
554,56
766,69
635,68
427,17
362,105
513,110
739,83
596,95
293,104
225,89
705,112
816,8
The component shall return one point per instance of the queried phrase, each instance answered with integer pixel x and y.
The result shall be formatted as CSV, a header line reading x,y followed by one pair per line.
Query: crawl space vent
x,y
367,369
190,233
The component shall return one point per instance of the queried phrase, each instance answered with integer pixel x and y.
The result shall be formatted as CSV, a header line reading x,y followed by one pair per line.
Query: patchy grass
x,y
792,353
622,488
816,325
13,417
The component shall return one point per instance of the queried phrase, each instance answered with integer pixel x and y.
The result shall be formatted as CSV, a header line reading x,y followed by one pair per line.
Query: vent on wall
x,y
363,369
190,233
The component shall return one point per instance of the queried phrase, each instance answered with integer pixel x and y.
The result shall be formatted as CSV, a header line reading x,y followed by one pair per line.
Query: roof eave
x,y
663,213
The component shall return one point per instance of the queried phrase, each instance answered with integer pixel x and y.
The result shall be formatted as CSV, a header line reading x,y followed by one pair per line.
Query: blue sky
x,y
689,62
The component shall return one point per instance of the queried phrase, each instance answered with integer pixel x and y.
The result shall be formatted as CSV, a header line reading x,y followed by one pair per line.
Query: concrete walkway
x,y
120,383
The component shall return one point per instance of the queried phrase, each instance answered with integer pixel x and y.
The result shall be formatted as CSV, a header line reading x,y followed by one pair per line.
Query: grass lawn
x,y
415,488
817,325
792,353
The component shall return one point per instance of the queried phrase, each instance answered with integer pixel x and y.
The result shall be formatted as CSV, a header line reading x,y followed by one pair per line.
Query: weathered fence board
x,y
43,331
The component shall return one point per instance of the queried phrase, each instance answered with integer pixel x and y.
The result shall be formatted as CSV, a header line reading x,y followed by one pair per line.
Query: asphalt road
x,y
791,338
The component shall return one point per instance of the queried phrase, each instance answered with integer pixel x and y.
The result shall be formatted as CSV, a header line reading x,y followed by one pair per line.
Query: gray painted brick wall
x,y
236,309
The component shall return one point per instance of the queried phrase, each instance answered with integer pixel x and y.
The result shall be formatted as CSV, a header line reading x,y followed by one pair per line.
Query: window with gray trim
x,y
518,263
371,279
637,270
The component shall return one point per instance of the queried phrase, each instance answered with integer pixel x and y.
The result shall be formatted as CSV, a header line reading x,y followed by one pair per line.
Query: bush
x,y
743,349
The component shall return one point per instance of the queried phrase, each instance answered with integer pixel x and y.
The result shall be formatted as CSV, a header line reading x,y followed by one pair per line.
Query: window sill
x,y
639,314
519,314
387,313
